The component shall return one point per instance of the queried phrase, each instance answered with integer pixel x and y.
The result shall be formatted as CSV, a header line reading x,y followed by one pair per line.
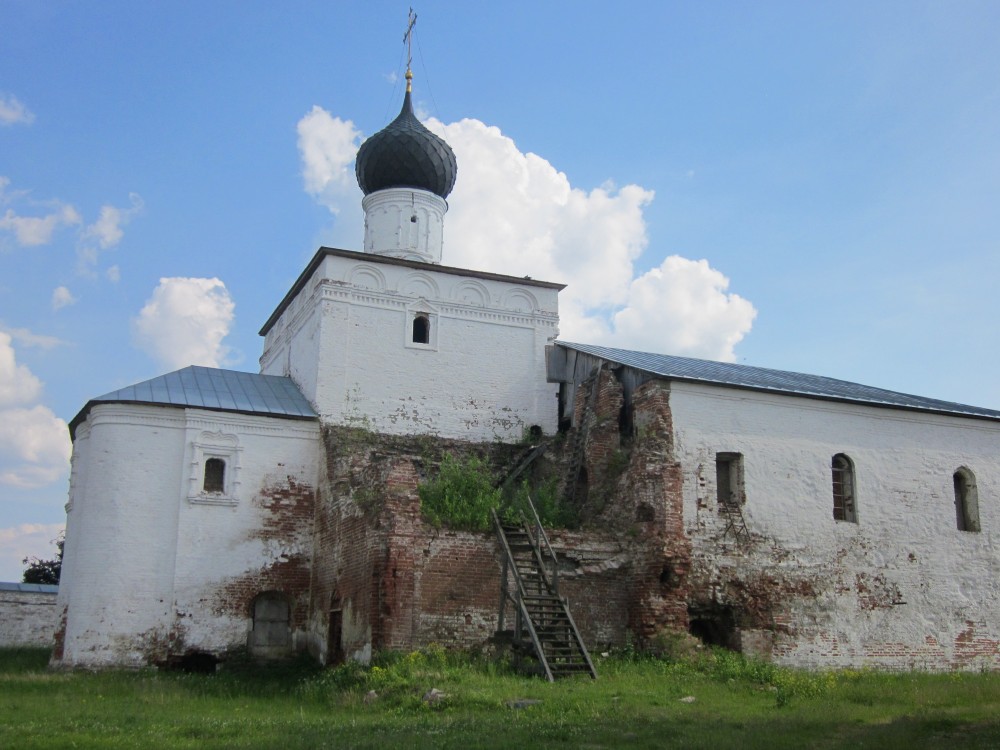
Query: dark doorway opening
x,y
335,633
714,626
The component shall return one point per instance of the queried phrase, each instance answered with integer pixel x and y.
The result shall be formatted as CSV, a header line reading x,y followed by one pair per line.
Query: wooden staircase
x,y
544,629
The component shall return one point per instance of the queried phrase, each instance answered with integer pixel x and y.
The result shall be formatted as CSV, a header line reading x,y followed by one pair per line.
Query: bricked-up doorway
x,y
334,650
271,637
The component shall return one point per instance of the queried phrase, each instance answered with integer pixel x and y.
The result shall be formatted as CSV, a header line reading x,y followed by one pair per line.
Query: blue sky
x,y
806,186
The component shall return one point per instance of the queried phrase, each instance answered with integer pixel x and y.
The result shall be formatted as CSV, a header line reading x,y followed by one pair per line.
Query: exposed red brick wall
x,y
288,507
403,583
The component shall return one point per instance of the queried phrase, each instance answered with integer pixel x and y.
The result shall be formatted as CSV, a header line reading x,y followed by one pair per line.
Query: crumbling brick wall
x,y
400,583
635,489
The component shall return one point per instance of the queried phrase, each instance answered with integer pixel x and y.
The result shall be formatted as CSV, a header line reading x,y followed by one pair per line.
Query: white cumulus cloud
x,y
683,290
62,297
104,234
31,231
17,383
34,442
13,111
514,213
108,229
327,146
34,447
184,322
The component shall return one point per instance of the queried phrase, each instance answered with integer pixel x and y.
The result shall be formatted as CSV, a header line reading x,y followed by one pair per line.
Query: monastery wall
x,y
156,565
28,615
899,588
480,376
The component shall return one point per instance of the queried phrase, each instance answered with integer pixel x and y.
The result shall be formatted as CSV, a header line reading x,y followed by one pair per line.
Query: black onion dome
x,y
406,154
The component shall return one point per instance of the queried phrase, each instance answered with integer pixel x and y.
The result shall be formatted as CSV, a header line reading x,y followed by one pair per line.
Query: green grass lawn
x,y
635,703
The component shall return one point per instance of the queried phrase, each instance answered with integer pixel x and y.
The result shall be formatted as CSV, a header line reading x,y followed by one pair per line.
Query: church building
x,y
802,519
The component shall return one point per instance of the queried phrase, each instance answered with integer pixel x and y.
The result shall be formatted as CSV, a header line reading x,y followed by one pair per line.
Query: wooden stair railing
x,y
543,624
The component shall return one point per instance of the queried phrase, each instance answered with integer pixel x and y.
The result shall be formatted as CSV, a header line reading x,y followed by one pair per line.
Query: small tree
x,y
45,571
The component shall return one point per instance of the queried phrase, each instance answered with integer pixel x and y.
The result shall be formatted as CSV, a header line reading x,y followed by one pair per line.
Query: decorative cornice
x,y
325,252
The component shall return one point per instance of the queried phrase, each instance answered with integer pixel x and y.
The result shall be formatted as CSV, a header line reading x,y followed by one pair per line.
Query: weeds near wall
x,y
553,511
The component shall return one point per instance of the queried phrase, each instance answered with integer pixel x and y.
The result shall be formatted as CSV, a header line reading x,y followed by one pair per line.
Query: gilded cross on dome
x,y
408,41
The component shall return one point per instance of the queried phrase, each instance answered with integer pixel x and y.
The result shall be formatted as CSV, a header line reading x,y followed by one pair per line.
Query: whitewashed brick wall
x,y
346,341
147,559
902,587
27,618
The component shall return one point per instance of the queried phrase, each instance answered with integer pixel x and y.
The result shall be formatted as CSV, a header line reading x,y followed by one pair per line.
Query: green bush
x,y
461,496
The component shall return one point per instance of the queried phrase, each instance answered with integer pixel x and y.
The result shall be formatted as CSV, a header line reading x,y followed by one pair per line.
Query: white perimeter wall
x,y
346,341
902,587
148,555
27,618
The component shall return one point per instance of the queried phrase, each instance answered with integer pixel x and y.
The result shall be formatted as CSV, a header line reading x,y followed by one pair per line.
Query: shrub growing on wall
x,y
461,496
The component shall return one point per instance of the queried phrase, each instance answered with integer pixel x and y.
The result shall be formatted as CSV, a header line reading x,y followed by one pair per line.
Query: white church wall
x,y
900,588
121,535
256,537
480,376
158,566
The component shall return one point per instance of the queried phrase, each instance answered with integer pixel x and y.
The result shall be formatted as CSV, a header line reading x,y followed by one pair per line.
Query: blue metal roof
x,y
211,388
31,588
776,381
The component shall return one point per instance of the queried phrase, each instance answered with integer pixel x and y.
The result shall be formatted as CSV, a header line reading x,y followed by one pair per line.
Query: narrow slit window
x,y
844,505
421,329
966,500
215,475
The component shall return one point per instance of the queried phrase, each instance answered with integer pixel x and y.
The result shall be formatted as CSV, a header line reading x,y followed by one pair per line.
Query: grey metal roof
x,y
776,381
215,389
30,588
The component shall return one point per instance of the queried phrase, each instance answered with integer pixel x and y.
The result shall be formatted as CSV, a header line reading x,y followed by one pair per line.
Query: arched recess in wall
x,y
471,293
367,277
966,500
519,300
271,632
419,285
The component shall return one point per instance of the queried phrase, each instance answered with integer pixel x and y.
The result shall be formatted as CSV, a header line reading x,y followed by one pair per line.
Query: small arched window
x,y
966,500
215,475
844,505
421,329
